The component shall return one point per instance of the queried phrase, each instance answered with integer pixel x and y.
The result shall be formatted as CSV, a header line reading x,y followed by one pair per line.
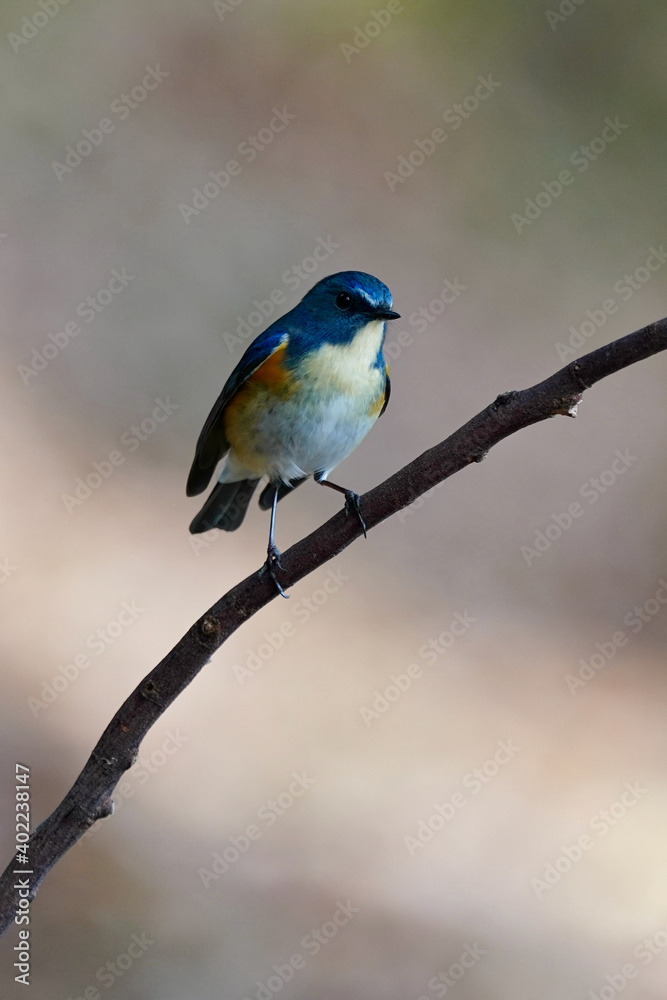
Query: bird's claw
x,y
353,506
272,563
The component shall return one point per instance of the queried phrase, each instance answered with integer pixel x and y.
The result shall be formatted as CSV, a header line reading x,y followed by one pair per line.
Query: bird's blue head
x,y
340,305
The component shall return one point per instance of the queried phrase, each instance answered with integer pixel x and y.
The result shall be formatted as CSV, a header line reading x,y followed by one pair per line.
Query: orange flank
x,y
248,405
377,404
272,373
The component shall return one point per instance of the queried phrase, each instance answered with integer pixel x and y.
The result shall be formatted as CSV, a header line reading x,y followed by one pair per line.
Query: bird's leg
x,y
352,503
272,552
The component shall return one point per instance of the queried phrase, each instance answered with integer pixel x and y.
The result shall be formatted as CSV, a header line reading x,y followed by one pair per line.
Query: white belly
x,y
304,436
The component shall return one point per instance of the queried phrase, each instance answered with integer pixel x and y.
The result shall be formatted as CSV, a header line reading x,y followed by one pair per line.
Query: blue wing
x,y
212,445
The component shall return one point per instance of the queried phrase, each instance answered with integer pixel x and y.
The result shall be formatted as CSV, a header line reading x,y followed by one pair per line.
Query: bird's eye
x,y
343,301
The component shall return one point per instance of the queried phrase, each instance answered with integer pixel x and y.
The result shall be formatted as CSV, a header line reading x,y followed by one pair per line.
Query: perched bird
x,y
305,393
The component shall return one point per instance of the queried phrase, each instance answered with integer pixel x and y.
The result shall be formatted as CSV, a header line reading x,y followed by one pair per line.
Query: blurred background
x,y
439,769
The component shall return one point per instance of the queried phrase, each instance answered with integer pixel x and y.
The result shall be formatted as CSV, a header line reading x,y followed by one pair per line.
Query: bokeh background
x,y
500,878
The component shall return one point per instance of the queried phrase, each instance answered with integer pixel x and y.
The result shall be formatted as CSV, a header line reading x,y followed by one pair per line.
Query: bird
x,y
304,394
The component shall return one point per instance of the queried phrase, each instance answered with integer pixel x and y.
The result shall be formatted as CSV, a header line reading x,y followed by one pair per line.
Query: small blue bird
x,y
303,396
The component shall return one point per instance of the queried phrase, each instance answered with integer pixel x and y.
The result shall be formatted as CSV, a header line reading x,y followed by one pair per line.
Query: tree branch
x,y
89,799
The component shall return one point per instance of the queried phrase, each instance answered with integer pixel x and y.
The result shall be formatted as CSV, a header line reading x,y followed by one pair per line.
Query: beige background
x,y
226,748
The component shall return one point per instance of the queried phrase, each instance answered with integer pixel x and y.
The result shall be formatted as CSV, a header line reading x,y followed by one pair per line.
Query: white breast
x,y
349,368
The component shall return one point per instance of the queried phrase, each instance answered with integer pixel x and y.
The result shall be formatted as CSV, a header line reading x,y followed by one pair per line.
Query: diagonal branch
x,y
89,799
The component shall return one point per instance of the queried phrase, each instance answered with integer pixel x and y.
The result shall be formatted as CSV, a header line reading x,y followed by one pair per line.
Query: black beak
x,y
387,314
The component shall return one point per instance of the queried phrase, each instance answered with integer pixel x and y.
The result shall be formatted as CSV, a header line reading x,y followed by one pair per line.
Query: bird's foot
x,y
271,565
353,506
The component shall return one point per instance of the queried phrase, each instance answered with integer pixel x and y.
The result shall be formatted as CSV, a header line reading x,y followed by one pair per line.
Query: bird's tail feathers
x,y
226,507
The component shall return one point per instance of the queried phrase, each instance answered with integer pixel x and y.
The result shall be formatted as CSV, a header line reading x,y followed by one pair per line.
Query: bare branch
x,y
89,799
